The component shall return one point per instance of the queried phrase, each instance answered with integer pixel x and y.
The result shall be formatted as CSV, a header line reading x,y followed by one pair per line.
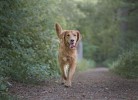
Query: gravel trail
x,y
93,84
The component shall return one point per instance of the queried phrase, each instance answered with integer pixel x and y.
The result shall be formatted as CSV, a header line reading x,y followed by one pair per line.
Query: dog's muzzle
x,y
72,44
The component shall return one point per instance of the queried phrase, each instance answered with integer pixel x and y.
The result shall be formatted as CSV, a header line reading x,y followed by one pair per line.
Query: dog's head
x,y
70,38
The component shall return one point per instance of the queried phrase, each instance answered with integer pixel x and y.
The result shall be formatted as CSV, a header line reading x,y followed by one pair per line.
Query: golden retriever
x,y
69,40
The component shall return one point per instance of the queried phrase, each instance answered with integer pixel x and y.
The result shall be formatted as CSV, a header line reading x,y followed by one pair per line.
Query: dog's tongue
x,y
72,45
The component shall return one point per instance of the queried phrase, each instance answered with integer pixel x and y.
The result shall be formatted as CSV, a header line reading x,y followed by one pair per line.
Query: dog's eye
x,y
74,34
68,35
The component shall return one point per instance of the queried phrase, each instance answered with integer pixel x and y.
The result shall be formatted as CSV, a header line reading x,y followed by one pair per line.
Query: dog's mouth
x,y
72,45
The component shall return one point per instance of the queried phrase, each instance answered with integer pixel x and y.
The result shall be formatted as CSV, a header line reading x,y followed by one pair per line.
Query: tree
x,y
100,27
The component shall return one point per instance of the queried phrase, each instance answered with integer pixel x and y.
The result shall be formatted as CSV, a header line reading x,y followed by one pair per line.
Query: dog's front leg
x,y
72,68
63,75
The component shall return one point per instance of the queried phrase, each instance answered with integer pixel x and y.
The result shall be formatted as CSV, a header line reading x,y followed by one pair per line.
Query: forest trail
x,y
93,84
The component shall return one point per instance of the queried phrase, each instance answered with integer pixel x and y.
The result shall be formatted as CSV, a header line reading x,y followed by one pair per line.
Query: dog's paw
x,y
67,84
63,81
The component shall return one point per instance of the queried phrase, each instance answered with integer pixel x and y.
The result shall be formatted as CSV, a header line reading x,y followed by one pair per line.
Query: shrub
x,y
28,57
6,96
85,64
27,40
4,88
127,64
3,84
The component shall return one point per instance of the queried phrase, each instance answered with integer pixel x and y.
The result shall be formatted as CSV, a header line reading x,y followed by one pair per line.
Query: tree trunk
x,y
122,16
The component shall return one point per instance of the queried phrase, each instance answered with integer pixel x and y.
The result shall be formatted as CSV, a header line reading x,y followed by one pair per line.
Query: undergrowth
x,y
85,64
127,64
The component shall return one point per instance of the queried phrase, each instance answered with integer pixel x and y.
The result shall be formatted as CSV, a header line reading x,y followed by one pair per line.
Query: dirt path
x,y
94,84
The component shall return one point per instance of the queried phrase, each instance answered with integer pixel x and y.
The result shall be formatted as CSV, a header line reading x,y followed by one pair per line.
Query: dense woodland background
x,y
28,41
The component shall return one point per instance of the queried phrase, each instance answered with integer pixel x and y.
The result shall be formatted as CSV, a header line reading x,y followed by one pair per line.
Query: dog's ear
x,y
79,37
58,30
64,38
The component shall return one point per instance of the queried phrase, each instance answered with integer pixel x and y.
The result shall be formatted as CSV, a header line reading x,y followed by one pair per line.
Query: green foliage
x,y
127,63
29,57
100,29
85,64
128,35
3,84
109,28
6,96
28,41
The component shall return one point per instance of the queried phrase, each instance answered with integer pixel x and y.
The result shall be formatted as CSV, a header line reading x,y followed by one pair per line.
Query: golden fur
x,y
69,40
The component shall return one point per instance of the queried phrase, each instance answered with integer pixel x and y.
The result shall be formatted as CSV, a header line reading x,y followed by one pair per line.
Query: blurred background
x,y
28,41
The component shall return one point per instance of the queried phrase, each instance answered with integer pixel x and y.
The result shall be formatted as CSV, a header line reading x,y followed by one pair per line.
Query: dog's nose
x,y
72,40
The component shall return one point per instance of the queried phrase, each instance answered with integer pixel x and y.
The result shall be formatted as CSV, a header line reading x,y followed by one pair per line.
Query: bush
x,y
3,84
28,58
28,43
127,64
4,88
85,64
6,96
107,63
